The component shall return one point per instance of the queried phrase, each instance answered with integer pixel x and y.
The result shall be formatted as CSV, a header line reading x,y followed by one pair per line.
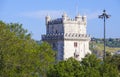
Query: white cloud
x,y
41,14
57,13
93,15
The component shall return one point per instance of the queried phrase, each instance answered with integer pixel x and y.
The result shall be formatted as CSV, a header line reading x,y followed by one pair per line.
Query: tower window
x,y
54,46
75,44
56,31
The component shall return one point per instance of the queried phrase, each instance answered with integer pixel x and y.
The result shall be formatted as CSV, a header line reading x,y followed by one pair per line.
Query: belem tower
x,y
68,36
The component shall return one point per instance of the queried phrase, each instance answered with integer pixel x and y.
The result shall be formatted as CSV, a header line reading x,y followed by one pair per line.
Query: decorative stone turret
x,y
78,17
64,17
68,36
84,18
47,19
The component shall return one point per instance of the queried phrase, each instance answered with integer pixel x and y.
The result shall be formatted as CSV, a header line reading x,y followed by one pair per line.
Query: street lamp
x,y
104,16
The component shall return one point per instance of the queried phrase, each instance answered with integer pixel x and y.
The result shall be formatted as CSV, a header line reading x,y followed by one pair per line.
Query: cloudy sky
x,y
31,13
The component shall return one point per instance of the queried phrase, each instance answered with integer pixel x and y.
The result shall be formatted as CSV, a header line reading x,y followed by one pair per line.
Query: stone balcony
x,y
66,36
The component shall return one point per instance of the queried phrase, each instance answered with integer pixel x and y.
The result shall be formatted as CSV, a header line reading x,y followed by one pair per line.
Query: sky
x,y
31,13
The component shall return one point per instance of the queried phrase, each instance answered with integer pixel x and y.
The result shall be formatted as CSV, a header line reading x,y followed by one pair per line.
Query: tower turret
x,y
78,17
64,17
84,18
48,18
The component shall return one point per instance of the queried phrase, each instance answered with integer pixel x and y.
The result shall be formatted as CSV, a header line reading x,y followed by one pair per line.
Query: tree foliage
x,y
21,56
69,68
115,60
90,66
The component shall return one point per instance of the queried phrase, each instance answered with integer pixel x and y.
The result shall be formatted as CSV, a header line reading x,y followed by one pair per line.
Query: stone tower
x,y
67,36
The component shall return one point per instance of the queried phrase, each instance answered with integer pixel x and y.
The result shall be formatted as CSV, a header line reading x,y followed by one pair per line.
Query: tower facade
x,y
67,36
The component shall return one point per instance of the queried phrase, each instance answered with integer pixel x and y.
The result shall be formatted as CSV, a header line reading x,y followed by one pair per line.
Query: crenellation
x,y
55,21
48,18
66,19
84,19
78,17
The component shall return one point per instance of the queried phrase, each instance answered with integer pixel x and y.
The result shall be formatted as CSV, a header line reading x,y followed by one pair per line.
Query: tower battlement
x,y
66,24
66,19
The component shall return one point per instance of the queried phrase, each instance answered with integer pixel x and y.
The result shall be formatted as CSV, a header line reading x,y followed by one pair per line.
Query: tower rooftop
x,y
65,19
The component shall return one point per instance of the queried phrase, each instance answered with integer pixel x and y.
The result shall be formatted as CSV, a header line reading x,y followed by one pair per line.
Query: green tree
x,y
108,70
21,56
2,33
19,31
115,60
90,66
68,68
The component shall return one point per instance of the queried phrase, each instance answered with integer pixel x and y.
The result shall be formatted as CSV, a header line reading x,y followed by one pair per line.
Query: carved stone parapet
x,y
69,36
57,36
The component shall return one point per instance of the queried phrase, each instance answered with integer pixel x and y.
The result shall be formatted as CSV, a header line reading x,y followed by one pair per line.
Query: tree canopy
x,y
20,55
90,66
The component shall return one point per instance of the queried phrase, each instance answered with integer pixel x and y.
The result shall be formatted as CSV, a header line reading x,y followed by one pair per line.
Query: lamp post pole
x,y
104,16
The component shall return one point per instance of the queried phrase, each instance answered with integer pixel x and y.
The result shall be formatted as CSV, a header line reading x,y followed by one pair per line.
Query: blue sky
x,y
31,13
